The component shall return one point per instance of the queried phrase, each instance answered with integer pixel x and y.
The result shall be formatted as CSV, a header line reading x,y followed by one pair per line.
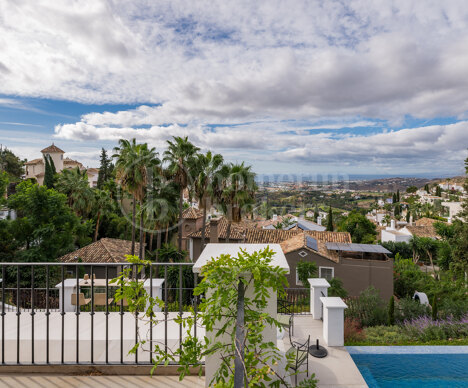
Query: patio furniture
x,y
285,312
81,300
318,350
100,299
301,349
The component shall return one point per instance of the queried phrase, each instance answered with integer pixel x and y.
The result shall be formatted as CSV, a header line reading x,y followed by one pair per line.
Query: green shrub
x,y
385,335
369,308
353,331
453,308
391,311
409,309
425,329
336,288
305,271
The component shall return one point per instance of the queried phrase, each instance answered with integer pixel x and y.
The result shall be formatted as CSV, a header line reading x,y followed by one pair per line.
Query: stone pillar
x,y
318,289
69,286
333,320
156,284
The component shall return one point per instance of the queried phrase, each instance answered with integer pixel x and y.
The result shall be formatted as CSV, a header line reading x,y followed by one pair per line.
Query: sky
x,y
292,87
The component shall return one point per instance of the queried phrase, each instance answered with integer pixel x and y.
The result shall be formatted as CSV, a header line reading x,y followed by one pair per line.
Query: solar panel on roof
x,y
370,248
312,243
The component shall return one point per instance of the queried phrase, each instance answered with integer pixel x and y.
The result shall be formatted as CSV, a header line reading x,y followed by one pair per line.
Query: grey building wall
x,y
356,274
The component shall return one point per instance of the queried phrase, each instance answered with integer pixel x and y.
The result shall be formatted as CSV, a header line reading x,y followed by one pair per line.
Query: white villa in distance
x,y
36,168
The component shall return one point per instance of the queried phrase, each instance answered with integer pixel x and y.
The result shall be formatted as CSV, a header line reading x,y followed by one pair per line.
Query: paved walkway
x,y
99,381
337,369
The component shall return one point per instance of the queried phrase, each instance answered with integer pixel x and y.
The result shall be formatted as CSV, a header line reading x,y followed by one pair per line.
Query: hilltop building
x,y
36,168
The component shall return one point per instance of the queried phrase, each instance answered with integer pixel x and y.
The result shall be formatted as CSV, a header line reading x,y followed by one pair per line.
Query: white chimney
x,y
392,225
319,220
411,220
275,217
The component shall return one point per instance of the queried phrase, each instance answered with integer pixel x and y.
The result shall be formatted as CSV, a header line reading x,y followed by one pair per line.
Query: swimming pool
x,y
412,366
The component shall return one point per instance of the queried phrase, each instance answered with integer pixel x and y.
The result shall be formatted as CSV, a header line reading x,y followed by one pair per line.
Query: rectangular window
x,y
326,272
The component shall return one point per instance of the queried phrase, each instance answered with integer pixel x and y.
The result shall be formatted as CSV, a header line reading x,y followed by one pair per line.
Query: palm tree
x,y
103,206
74,183
205,168
160,206
180,155
135,163
235,188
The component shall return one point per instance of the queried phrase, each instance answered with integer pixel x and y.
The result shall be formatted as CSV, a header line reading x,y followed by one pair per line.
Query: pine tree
x,y
49,172
330,220
105,169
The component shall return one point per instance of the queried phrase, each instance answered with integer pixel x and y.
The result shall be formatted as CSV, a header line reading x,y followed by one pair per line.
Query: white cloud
x,y
242,60
264,72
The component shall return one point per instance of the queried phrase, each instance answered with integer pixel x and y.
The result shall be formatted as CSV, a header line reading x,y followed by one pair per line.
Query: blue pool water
x,y
412,366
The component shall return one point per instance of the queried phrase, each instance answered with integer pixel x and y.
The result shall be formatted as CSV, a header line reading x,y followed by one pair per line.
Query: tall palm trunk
x,y
133,225
158,243
151,242
228,230
181,204
167,232
97,226
141,251
203,229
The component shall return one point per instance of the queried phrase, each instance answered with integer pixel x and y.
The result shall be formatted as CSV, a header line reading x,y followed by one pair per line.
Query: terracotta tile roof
x,y
35,161
192,214
425,221
299,241
237,232
106,250
338,237
294,243
51,149
269,236
246,232
70,161
423,231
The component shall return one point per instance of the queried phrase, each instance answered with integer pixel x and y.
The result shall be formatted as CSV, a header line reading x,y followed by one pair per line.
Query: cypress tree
x,y
397,210
49,172
330,221
391,311
398,195
426,187
408,216
316,213
394,198
52,166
